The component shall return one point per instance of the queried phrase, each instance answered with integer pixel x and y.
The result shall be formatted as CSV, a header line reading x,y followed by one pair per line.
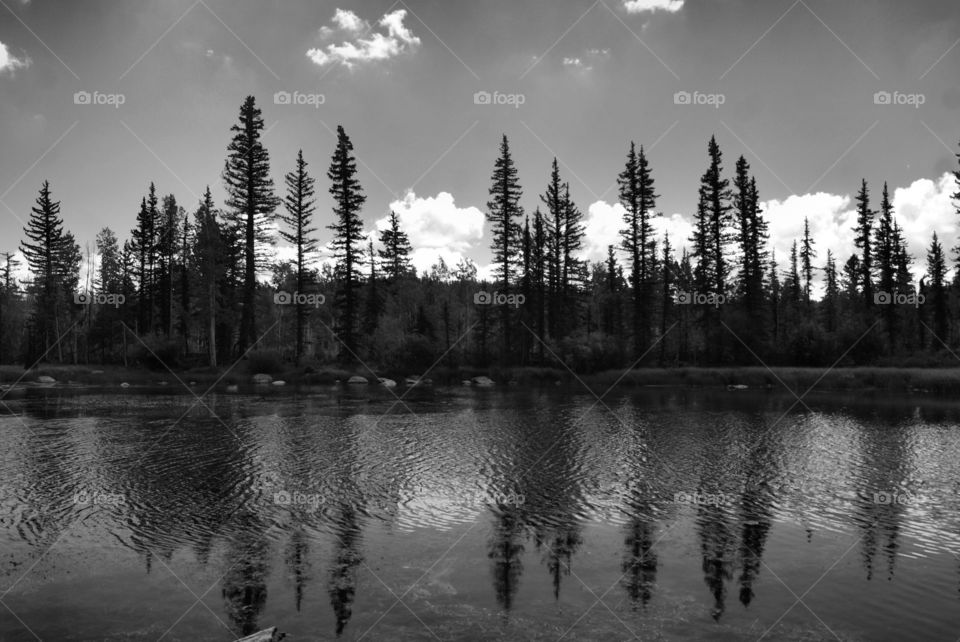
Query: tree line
x,y
183,288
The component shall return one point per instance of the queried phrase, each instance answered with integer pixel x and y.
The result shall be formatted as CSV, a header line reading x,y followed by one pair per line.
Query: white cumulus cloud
x,y
437,226
355,49
642,6
603,223
10,63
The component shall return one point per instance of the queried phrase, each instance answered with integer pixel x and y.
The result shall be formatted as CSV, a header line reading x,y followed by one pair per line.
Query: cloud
x,y
641,6
10,63
355,49
603,223
922,208
436,227
348,20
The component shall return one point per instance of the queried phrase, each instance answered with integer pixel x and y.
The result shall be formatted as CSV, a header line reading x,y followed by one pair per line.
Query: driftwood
x,y
266,635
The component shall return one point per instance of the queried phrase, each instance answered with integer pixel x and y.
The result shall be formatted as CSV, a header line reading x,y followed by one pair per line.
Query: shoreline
x,y
894,379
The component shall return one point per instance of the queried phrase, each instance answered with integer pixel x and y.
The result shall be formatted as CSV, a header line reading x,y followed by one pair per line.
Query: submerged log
x,y
266,635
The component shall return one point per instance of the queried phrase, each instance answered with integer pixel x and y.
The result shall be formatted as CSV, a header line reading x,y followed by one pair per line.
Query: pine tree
x,y
252,203
144,243
807,254
792,285
51,255
167,246
863,240
210,262
574,273
9,297
397,250
552,198
831,295
371,316
937,289
347,244
716,196
638,198
299,206
503,212
666,301
109,280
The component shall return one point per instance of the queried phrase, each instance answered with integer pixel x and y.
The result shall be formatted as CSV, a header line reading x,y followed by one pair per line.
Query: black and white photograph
x,y
485,320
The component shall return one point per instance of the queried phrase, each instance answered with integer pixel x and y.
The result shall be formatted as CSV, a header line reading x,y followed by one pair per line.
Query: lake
x,y
480,514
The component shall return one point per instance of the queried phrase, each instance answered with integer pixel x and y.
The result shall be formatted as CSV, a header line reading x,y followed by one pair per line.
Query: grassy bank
x,y
933,380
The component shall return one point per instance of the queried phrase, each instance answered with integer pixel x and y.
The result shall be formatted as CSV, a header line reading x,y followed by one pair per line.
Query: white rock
x,y
467,382
387,383
46,379
279,382
233,388
262,379
737,386
356,379
483,381
124,385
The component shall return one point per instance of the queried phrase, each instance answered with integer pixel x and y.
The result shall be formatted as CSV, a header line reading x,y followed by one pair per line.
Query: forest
x,y
187,288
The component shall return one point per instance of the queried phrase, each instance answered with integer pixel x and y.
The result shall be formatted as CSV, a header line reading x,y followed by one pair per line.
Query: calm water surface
x,y
470,514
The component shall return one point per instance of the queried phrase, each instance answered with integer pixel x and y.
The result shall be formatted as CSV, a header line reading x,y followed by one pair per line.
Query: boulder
x,y
279,382
387,383
357,379
262,379
737,386
124,385
483,381
467,382
46,379
412,381
233,388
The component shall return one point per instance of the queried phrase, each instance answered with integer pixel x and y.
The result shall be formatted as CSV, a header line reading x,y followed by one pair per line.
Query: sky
x,y
102,97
